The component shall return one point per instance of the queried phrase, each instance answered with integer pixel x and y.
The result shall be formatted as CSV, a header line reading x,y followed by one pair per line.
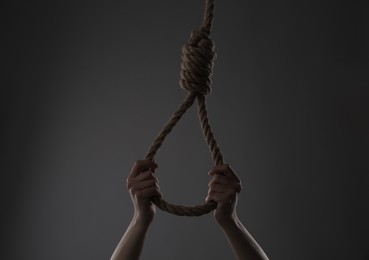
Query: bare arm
x,y
242,243
142,186
130,246
224,188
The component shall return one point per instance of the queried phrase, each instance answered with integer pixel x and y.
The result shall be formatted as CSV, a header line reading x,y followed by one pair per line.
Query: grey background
x,y
89,85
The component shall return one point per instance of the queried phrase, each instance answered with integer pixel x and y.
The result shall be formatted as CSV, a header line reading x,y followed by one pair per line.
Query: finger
x,y
236,187
230,195
231,173
218,188
215,196
226,170
140,165
220,179
143,165
147,194
144,176
147,175
232,188
221,197
145,184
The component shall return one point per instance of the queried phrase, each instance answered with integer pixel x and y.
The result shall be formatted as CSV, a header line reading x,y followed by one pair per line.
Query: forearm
x,y
243,244
130,246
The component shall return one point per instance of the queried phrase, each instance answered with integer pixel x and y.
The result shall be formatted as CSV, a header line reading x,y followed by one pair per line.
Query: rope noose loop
x,y
197,65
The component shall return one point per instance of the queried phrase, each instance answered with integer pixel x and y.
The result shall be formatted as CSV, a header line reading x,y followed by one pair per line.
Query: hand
x,y
224,189
143,186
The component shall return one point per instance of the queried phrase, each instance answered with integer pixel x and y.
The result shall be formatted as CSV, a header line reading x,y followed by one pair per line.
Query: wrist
x,y
230,221
141,221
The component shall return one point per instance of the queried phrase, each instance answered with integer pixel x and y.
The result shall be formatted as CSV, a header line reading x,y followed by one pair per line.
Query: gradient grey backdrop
x,y
90,85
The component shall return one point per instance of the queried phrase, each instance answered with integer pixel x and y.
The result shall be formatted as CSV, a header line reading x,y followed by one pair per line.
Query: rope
x,y
196,69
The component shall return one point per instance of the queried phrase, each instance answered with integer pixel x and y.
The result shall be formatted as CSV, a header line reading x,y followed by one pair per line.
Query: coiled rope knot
x,y
197,63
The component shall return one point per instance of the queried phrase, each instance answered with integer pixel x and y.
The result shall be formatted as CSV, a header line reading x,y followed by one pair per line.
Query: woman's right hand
x,y
224,189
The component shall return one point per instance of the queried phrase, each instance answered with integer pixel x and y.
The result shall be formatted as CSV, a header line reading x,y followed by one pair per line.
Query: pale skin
x,y
224,189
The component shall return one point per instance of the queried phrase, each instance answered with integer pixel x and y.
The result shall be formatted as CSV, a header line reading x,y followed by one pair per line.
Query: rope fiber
x,y
196,69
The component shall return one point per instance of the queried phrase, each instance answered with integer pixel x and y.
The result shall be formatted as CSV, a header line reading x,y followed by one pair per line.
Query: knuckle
x,y
137,162
239,187
226,166
130,181
230,193
151,191
133,190
146,174
156,191
210,196
218,178
211,186
211,183
139,194
223,167
152,183
157,187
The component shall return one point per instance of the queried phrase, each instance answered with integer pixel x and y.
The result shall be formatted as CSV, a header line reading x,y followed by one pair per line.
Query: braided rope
x,y
196,69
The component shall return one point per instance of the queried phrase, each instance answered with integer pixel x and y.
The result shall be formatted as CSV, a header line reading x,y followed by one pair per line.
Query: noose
x,y
196,69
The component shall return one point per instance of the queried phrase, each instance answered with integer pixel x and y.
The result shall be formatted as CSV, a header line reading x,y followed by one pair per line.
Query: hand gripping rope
x,y
196,69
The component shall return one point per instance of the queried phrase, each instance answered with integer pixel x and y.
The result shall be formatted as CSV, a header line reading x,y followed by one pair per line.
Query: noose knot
x,y
197,63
